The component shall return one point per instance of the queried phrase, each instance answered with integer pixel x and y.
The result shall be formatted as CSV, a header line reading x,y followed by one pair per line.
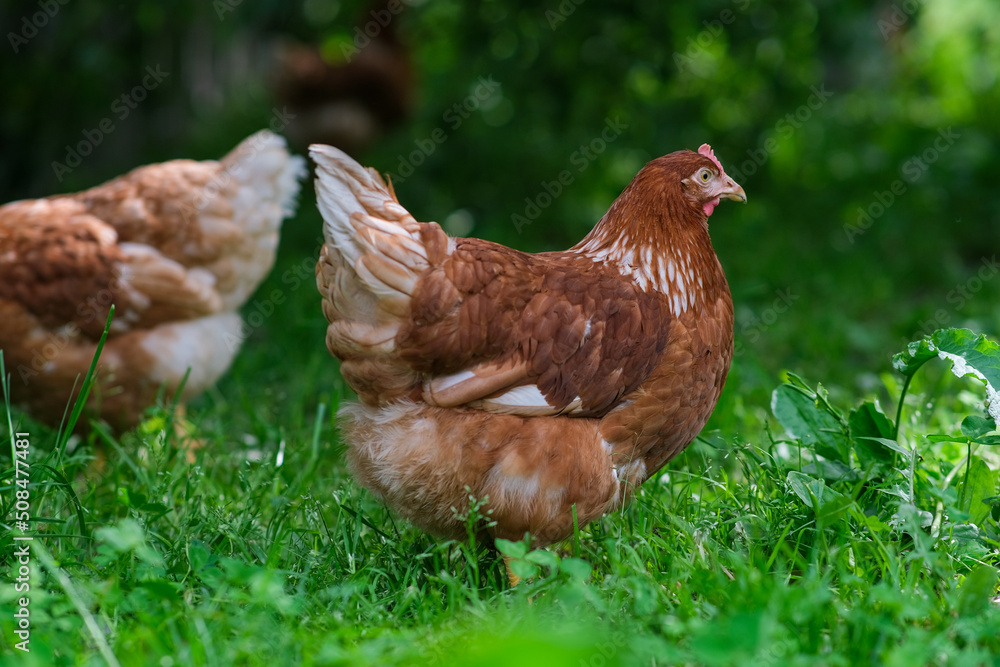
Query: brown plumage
x,y
541,381
176,247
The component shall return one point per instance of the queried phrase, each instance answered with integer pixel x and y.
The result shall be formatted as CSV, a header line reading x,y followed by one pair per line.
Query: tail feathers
x,y
362,325
378,239
344,189
267,180
374,257
260,181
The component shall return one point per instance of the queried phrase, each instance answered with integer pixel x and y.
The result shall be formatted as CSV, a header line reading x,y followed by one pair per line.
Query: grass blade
x,y
88,383
88,619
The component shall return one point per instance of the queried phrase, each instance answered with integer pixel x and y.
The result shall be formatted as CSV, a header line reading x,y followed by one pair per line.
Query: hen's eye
x,y
704,175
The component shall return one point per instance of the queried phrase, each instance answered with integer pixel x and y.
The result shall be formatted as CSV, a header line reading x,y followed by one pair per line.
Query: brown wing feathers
x,y
468,322
55,258
478,321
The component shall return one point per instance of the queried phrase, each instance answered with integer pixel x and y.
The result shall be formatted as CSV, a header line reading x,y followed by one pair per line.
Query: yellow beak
x,y
731,190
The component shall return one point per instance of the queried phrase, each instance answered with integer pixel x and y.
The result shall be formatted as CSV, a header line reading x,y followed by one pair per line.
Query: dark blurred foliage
x,y
817,108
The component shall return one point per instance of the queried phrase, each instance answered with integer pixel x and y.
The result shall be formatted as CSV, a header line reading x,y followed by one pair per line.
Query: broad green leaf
x,y
198,555
897,490
944,437
741,631
543,558
977,590
123,537
519,558
800,485
963,533
164,590
833,471
128,536
890,444
911,518
512,549
815,425
875,525
968,353
974,426
868,421
973,492
154,508
834,508
916,354
828,504
576,568
797,381
523,568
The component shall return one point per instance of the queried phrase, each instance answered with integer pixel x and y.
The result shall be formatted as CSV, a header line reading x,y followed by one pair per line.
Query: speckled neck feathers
x,y
657,234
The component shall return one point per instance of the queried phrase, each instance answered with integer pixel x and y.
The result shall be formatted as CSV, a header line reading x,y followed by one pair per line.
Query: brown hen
x,y
537,381
176,247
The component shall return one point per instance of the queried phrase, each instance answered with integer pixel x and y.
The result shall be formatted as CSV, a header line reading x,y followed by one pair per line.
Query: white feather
x,y
527,396
448,381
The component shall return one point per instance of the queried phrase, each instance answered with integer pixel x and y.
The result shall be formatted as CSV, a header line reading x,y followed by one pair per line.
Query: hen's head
x,y
698,177
663,213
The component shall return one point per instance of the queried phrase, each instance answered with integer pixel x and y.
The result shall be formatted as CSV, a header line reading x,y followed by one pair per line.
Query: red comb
x,y
706,150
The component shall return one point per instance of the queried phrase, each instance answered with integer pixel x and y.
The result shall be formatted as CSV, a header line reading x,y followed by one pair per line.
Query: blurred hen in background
x,y
177,248
348,95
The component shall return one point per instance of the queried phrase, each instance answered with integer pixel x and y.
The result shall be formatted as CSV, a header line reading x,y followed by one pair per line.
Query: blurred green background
x,y
865,134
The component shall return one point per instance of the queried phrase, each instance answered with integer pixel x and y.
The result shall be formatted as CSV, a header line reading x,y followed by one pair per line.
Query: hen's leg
x,y
511,577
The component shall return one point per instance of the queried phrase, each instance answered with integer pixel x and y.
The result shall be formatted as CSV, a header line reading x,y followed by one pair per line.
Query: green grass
x,y
264,551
